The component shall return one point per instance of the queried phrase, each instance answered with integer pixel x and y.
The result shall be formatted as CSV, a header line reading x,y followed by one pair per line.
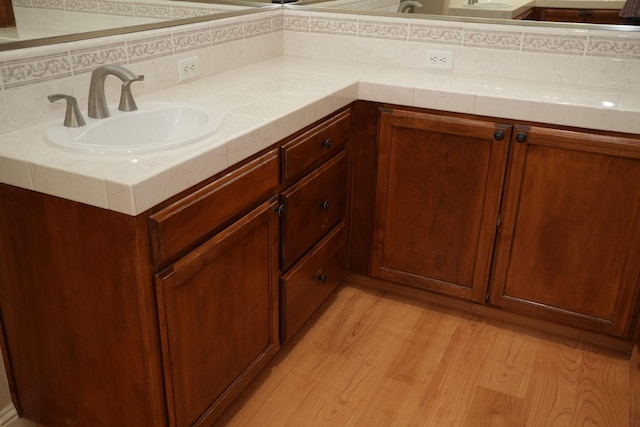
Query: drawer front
x,y
310,282
309,150
194,218
312,207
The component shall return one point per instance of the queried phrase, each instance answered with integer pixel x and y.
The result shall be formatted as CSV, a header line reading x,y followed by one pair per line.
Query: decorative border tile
x,y
22,3
343,27
386,30
433,33
227,33
189,40
615,47
141,49
492,39
85,60
151,10
257,27
181,12
115,8
48,4
553,43
89,6
296,23
33,70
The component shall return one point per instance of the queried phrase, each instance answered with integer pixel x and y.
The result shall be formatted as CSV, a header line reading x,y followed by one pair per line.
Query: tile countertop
x,y
264,102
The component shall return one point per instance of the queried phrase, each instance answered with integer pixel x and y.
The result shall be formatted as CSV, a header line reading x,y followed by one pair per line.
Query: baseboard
x,y
8,415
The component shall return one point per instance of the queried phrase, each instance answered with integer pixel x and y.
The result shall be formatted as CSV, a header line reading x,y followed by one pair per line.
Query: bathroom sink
x,y
488,4
154,126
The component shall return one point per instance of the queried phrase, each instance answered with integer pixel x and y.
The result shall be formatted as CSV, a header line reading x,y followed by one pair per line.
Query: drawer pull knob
x,y
325,205
521,137
498,135
322,278
326,143
280,211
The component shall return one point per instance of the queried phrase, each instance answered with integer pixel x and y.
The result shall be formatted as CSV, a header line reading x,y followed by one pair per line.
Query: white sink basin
x,y
153,127
488,4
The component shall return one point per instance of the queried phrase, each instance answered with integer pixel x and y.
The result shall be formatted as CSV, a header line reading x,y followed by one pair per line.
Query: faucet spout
x,y
97,101
408,6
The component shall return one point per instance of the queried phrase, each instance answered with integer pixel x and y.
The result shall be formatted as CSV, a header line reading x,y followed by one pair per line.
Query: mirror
x,y
55,21
576,13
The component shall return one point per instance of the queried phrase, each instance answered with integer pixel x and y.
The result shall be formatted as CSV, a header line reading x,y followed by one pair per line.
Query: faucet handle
x,y
72,117
127,103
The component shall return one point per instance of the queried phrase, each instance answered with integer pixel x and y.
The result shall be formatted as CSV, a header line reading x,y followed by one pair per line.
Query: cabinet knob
x,y
498,135
325,205
326,143
521,137
280,211
322,278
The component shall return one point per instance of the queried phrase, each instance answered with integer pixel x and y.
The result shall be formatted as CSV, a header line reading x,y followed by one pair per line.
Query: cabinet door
x,y
438,193
569,241
218,317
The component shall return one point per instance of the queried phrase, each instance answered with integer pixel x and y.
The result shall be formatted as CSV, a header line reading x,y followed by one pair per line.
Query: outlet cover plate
x,y
439,59
188,68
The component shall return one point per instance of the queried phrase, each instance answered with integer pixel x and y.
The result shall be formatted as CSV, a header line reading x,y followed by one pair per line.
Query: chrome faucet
x,y
97,101
408,6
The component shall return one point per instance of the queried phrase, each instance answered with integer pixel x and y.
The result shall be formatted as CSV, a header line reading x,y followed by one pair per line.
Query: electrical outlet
x,y
441,59
188,68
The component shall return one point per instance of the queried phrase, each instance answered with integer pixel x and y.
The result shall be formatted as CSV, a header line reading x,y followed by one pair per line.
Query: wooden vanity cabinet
x,y
313,218
591,16
568,246
218,304
541,224
438,188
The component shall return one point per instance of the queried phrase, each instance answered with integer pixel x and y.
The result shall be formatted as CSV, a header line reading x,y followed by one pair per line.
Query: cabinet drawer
x,y
313,147
310,281
193,218
312,207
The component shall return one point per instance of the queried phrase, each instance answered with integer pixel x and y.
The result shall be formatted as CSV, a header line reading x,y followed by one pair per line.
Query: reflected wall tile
x,y
81,5
115,8
152,10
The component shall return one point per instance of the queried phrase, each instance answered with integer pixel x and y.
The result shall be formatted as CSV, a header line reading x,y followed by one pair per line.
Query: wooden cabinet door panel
x,y
218,317
437,198
568,244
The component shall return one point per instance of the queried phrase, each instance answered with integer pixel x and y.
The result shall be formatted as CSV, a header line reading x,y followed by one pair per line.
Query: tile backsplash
x,y
572,56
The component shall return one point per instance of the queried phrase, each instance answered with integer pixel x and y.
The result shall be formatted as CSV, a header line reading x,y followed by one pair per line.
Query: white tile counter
x,y
264,102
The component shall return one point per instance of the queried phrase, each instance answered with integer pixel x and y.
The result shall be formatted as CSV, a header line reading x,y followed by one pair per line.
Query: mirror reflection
x,y
35,19
570,11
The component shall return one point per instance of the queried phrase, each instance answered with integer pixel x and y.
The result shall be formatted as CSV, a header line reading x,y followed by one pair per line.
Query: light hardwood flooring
x,y
373,359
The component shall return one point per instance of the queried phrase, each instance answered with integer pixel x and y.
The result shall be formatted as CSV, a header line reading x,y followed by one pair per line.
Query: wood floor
x,y
373,359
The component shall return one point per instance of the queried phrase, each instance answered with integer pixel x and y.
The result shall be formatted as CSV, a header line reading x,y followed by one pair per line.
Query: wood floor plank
x,y
371,359
491,408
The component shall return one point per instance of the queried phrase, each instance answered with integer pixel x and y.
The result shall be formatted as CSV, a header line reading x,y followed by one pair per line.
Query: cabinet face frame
x,y
522,166
442,136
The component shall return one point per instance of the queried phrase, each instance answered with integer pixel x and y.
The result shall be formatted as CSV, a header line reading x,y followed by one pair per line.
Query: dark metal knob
x,y
326,143
521,137
280,211
325,205
498,135
322,278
